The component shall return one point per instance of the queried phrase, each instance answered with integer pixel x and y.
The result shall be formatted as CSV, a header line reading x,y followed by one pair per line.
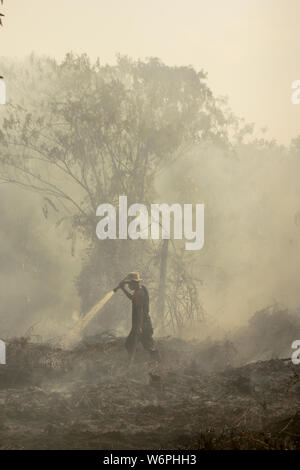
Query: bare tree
x,y
1,15
99,132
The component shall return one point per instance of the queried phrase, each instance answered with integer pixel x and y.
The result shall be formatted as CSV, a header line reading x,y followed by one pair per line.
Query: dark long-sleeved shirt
x,y
140,307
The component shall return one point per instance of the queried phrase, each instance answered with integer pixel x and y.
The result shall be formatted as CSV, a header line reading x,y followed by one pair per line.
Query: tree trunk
x,y
162,285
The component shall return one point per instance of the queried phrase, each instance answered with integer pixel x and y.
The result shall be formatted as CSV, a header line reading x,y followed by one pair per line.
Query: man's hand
x,y
119,286
122,287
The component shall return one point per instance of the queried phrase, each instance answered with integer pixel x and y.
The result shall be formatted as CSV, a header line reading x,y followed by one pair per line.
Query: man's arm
x,y
122,287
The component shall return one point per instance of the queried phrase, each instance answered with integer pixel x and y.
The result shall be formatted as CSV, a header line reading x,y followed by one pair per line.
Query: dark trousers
x,y
146,338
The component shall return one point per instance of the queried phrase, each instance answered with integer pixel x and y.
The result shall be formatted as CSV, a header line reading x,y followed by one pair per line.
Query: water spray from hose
x,y
74,334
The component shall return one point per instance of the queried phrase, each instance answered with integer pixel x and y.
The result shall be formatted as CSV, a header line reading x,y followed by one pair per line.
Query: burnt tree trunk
x,y
162,285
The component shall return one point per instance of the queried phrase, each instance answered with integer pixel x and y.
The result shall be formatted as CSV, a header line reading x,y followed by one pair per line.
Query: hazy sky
x,y
250,48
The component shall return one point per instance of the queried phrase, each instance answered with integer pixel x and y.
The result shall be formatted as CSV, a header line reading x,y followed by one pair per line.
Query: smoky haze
x,y
37,270
251,254
248,47
250,257
109,99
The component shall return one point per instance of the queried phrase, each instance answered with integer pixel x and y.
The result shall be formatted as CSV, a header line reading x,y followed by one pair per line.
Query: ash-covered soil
x,y
87,399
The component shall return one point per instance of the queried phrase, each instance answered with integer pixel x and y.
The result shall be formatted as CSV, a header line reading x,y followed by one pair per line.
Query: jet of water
x,y
73,335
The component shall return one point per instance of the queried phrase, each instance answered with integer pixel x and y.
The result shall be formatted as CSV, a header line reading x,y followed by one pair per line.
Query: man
x,y
141,329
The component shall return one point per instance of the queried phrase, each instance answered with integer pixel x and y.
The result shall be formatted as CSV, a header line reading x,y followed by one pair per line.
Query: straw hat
x,y
135,276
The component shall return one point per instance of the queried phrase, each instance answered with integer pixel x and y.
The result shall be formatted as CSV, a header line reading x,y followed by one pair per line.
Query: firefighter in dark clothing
x,y
141,329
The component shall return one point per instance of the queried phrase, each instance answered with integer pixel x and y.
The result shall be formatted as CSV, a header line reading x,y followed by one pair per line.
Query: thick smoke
x,y
38,296
252,239
252,235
